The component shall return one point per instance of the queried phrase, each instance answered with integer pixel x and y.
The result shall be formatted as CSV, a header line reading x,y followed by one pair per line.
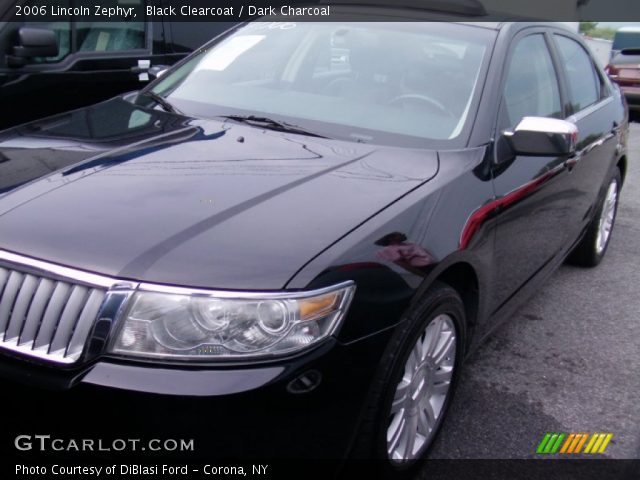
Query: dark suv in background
x,y
50,67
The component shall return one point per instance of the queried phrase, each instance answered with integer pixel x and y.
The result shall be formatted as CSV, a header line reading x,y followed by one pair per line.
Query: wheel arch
x,y
465,279
622,166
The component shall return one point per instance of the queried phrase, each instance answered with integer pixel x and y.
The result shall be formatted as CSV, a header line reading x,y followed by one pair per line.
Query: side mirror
x,y
33,42
541,136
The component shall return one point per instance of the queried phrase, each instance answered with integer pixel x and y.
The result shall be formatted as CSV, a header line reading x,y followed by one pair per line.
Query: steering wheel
x,y
433,104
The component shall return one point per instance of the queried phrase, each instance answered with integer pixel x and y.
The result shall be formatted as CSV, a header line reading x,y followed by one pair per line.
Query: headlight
x,y
201,325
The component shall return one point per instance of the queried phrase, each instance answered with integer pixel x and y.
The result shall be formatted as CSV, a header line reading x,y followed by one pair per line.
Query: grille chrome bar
x,y
47,311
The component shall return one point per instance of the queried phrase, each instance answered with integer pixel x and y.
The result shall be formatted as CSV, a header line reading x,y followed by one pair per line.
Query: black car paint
x,y
37,90
494,228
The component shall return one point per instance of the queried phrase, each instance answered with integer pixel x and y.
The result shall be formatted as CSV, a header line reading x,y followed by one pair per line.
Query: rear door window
x,y
583,81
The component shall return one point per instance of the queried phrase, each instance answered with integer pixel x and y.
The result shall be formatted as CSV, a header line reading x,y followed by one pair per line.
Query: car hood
x,y
189,202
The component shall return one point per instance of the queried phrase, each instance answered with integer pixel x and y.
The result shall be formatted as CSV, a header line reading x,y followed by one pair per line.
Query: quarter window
x,y
584,84
531,87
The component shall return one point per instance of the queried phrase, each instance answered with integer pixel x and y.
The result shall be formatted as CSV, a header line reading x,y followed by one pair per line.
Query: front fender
x,y
398,254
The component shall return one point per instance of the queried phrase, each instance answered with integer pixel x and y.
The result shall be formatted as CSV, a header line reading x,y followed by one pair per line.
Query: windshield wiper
x,y
271,124
160,100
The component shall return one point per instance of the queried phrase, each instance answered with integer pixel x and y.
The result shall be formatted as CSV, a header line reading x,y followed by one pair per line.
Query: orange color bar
x,y
581,443
567,443
576,439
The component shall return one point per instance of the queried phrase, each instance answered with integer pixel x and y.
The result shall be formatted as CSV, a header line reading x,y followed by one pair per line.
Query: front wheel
x,y
415,384
420,395
593,246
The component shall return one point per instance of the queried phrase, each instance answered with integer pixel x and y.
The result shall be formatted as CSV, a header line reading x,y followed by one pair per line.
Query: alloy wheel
x,y
607,216
421,393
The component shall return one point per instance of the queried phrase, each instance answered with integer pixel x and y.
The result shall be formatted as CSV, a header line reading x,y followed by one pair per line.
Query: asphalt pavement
x,y
568,360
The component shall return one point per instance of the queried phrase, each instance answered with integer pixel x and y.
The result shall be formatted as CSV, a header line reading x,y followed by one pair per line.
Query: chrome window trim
x,y
594,107
584,113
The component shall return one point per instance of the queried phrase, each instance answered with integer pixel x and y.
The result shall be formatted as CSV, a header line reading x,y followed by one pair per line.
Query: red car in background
x,y
624,69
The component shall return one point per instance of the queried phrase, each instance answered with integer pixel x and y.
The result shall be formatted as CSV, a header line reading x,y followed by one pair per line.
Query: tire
x,y
441,307
593,246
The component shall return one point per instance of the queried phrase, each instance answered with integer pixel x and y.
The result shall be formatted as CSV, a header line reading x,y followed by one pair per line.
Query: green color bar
x,y
543,443
558,443
550,443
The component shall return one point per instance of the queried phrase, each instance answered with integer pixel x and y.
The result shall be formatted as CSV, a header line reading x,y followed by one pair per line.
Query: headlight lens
x,y
209,326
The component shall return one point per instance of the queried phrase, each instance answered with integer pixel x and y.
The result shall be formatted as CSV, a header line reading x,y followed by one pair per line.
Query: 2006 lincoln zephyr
x,y
288,243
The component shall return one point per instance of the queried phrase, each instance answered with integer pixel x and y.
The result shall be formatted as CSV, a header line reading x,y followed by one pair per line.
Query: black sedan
x,y
288,244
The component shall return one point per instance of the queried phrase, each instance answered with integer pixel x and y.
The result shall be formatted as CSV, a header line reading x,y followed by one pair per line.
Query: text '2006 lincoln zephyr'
x,y
288,244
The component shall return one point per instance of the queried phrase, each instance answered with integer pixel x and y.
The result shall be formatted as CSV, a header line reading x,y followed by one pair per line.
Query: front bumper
x,y
273,411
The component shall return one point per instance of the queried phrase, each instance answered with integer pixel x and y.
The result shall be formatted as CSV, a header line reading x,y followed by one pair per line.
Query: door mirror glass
x,y
542,136
34,42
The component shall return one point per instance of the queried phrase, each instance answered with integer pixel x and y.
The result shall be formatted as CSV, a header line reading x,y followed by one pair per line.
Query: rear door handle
x,y
573,161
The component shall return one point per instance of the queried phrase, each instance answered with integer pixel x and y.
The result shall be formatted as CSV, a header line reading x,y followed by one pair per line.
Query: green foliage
x,y
591,29
586,27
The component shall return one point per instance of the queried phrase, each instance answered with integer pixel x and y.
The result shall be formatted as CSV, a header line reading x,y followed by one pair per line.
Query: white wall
x,y
601,49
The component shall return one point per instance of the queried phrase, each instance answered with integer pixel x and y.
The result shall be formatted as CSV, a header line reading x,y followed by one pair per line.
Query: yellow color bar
x,y
596,445
605,442
593,439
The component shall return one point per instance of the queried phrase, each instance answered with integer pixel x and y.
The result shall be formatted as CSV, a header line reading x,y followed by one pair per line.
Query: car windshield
x,y
387,83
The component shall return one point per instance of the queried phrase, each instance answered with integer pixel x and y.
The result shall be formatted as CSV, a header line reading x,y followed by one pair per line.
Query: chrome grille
x,y
46,317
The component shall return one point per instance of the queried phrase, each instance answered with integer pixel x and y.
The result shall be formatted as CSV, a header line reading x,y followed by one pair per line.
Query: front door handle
x,y
142,70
